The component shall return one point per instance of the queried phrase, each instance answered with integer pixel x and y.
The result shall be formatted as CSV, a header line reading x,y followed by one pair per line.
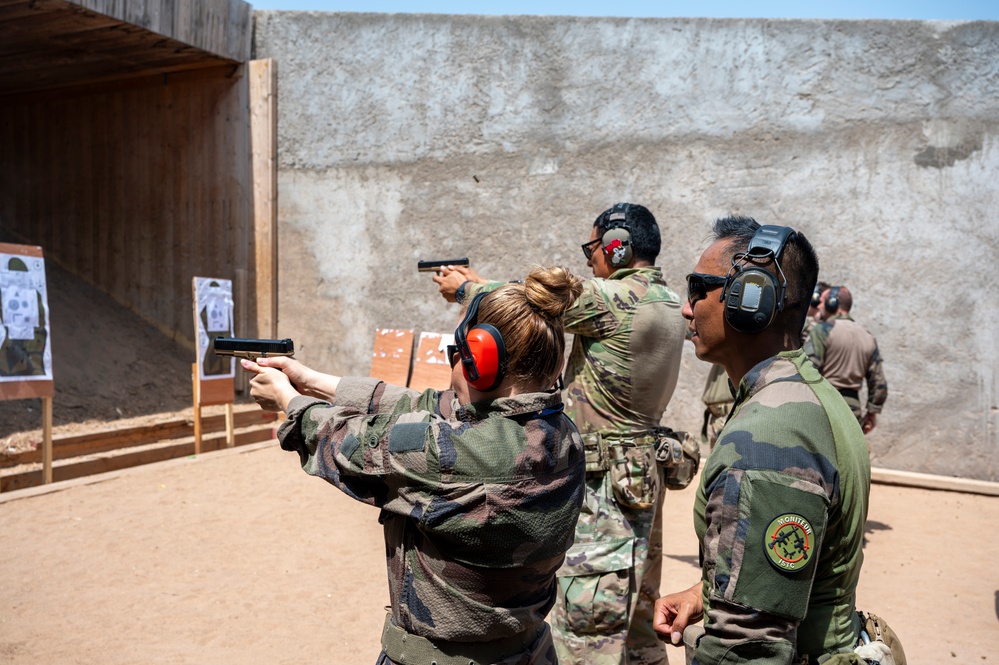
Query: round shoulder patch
x,y
788,542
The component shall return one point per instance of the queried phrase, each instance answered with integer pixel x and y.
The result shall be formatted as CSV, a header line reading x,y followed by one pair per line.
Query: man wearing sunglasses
x,y
621,373
783,496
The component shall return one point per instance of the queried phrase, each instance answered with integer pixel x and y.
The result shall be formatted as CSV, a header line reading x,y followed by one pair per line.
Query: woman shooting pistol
x,y
479,486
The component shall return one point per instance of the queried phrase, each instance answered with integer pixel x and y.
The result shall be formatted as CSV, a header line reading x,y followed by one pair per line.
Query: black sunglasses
x,y
698,284
588,248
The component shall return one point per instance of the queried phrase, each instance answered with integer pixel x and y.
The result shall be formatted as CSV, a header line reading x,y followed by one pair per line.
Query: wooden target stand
x,y
211,390
208,392
30,388
33,390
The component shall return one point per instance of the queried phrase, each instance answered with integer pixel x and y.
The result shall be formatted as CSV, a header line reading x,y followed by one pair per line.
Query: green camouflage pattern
x,y
816,347
790,448
478,502
806,330
622,371
609,582
717,398
625,358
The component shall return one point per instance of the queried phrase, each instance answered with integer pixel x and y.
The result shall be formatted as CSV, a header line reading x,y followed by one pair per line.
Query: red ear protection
x,y
483,353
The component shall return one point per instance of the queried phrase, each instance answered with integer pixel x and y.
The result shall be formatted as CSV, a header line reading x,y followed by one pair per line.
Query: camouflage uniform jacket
x,y
780,514
625,358
846,355
478,501
627,339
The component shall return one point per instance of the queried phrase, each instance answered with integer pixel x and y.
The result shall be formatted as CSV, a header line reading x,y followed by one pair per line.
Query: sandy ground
x,y
239,557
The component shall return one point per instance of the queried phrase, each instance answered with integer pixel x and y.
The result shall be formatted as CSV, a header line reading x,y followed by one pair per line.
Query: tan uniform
x,y
847,356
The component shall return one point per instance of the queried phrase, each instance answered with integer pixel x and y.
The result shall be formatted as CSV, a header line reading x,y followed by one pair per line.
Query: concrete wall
x,y
404,137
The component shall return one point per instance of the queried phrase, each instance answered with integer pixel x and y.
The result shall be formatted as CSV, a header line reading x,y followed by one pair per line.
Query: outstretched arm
x,y
278,380
450,278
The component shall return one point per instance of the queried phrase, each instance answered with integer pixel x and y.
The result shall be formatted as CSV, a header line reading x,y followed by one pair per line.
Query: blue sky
x,y
848,9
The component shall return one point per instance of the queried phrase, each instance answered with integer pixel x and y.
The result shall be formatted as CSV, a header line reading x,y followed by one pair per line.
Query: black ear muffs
x,y
616,244
832,302
752,295
482,351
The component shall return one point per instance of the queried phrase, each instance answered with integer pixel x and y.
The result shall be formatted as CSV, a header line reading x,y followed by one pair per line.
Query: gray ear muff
x,y
751,300
832,302
752,295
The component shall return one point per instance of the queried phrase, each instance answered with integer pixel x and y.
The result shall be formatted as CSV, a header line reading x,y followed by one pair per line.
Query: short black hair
x,y
640,223
798,262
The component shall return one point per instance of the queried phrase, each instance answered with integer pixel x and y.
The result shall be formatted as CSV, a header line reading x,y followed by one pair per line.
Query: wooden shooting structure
x,y
208,389
431,366
161,134
394,361
392,355
28,387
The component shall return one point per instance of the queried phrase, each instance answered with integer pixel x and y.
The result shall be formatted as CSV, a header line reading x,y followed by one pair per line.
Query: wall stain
x,y
940,157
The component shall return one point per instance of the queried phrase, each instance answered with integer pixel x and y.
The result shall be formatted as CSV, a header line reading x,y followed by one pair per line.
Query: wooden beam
x,y
931,482
263,143
16,481
118,82
223,27
93,443
47,439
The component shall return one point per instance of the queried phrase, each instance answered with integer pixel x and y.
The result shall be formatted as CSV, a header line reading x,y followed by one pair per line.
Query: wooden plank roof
x,y
48,45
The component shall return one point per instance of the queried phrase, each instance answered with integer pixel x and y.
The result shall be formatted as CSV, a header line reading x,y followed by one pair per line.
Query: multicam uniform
x,y
717,398
478,504
806,330
847,355
628,334
780,514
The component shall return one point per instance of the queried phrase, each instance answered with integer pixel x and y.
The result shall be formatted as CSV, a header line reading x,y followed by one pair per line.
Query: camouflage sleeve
x,y
815,345
877,384
372,441
764,526
473,290
592,314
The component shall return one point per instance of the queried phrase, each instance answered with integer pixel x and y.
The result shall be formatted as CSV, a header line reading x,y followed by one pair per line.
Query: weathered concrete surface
x,y
404,137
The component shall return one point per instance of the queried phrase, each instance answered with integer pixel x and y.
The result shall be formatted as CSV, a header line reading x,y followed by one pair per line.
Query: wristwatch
x,y
459,295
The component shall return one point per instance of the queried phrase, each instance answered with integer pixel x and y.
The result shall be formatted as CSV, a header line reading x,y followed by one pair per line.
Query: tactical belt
x,y
596,445
409,649
849,392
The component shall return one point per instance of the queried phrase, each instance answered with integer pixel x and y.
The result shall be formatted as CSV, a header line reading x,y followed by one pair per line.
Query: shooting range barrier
x,y
111,450
394,361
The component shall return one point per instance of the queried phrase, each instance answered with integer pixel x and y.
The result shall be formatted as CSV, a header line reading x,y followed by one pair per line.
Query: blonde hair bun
x,y
551,291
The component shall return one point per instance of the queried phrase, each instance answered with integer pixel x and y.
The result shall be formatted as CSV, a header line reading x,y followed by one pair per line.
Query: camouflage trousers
x,y
609,582
855,406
